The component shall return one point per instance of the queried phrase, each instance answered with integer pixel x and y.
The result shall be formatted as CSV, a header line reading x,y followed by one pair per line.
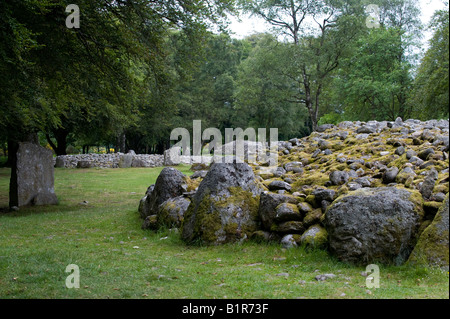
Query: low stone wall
x,y
114,160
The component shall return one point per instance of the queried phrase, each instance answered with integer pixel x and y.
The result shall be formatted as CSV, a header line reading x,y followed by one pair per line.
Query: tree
x,y
375,79
375,82
46,62
329,27
265,96
431,86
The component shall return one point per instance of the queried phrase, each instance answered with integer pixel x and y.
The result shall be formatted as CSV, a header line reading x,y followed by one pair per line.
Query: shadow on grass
x,y
45,209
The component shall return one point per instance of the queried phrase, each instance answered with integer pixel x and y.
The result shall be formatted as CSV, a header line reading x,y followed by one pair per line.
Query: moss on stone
x,y
316,236
433,245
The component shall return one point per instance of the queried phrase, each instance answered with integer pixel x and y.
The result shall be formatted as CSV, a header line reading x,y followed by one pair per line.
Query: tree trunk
x,y
61,141
308,101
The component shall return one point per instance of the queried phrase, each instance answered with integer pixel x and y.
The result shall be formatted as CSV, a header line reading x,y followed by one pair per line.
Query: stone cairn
x,y
365,191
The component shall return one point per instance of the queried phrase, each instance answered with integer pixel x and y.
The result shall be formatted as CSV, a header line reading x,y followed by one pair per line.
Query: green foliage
x,y
376,77
431,86
265,96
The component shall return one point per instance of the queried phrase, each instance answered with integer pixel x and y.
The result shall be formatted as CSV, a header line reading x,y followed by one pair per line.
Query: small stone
x,y
400,151
283,274
339,177
279,185
425,153
390,175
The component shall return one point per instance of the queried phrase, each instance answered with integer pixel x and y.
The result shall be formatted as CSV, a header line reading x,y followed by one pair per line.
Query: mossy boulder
x,y
225,206
315,236
171,212
432,247
170,183
374,225
268,207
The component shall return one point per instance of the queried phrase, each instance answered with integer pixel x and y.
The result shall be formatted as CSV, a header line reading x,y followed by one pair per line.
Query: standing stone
x,y
125,160
60,162
32,177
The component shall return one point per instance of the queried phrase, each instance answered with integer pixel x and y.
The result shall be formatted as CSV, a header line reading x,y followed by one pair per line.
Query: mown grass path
x,y
97,227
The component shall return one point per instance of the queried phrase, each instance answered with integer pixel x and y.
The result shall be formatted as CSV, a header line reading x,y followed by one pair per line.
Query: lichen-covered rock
x,y
287,212
315,236
279,185
288,241
170,183
225,206
268,204
290,227
32,177
390,175
374,225
171,212
432,247
339,178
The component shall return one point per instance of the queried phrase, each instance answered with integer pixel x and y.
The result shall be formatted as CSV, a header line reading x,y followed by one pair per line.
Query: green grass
x,y
117,259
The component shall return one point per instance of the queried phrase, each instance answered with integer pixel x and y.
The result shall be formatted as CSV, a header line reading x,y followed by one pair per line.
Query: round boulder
x,y
225,207
374,225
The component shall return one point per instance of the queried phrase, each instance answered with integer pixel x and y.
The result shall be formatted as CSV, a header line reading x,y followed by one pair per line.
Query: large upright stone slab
x,y
32,177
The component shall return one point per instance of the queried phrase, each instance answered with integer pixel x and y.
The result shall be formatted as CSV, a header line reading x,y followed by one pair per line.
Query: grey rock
x,y
279,185
410,154
267,207
84,164
363,136
432,247
171,212
315,236
279,171
405,174
287,212
438,197
363,181
390,175
371,225
428,184
353,186
425,153
60,162
323,128
296,167
225,206
32,177
400,151
288,241
125,160
324,194
339,177
199,174
169,184
325,277
366,129
290,227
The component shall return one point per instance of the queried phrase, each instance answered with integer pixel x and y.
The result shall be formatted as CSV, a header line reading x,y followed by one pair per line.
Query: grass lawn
x,y
117,259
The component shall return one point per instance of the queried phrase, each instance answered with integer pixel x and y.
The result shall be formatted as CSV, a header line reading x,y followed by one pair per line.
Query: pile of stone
x,y
113,160
365,191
